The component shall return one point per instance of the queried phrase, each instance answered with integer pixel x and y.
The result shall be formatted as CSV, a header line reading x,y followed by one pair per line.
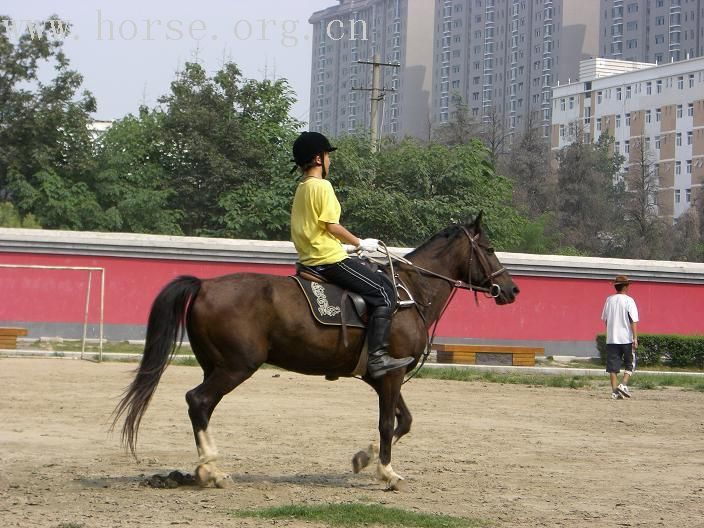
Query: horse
x,y
236,323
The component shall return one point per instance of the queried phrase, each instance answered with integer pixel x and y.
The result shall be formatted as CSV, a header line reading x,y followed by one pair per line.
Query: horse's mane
x,y
447,235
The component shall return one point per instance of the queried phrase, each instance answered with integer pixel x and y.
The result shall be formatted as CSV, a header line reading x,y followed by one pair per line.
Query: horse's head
x,y
483,267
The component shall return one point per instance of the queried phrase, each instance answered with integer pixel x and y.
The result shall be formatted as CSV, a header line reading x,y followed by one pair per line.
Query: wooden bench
x,y
8,337
484,354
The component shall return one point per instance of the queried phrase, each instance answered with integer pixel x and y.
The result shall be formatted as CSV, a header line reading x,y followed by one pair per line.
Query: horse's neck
x,y
432,293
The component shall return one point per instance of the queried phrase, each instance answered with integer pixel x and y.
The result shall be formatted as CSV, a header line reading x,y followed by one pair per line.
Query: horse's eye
x,y
490,250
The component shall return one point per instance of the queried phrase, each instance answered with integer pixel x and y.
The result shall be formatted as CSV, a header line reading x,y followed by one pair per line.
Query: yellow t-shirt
x,y
314,205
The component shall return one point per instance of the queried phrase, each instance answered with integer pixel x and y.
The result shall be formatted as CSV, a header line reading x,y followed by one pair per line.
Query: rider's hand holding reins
x,y
368,244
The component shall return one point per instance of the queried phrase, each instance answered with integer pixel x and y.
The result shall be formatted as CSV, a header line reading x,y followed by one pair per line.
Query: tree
x,y
643,230
46,159
588,194
225,138
9,217
460,129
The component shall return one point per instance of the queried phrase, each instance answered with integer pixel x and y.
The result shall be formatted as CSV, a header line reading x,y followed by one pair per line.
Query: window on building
x,y
659,39
598,124
677,196
689,167
571,106
647,143
660,21
678,139
690,109
628,92
599,96
691,79
632,26
628,119
680,82
658,86
679,111
658,115
647,116
618,94
678,168
657,142
618,120
617,147
626,147
632,8
689,137
648,88
632,43
688,195
562,131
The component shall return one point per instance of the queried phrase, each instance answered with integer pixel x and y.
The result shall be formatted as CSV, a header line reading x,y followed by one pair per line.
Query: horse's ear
x,y
477,224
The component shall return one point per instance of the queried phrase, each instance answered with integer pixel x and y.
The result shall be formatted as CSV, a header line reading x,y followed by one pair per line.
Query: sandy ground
x,y
511,455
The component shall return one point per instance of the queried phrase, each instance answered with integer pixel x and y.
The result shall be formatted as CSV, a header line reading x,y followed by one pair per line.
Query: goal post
x,y
86,310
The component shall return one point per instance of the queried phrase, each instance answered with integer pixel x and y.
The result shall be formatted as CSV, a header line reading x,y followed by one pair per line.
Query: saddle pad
x,y
325,301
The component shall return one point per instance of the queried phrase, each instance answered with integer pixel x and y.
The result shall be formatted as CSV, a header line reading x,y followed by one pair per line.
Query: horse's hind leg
x,y
201,404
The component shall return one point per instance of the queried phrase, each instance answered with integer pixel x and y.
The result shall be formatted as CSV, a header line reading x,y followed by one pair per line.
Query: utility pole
x,y
377,95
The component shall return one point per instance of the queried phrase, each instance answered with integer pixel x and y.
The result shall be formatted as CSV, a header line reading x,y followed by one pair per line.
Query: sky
x,y
129,51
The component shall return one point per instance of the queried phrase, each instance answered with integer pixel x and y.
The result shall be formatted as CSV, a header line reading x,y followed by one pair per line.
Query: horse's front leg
x,y
388,399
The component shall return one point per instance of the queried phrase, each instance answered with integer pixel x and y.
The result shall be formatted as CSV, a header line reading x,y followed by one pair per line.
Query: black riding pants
x,y
355,275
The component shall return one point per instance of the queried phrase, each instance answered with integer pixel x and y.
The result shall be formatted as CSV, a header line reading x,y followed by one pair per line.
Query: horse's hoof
x,y
203,476
397,484
224,482
360,461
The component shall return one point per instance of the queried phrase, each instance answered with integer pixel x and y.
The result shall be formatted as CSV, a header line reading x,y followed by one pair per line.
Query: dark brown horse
x,y
238,322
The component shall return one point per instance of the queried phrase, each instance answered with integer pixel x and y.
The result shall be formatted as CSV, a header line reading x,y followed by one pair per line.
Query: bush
x,y
670,349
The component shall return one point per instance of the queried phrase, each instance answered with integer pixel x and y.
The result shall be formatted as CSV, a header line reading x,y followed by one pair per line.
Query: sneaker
x,y
623,390
616,395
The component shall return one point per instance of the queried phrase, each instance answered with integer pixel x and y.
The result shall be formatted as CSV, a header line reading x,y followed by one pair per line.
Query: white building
x,y
663,104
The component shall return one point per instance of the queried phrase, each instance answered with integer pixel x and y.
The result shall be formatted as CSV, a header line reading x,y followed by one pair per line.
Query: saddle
x,y
332,305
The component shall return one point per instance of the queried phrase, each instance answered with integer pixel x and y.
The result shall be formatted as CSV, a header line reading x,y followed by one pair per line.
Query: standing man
x,y
621,317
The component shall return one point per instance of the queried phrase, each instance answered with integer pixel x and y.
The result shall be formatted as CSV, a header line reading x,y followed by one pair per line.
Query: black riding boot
x,y
378,340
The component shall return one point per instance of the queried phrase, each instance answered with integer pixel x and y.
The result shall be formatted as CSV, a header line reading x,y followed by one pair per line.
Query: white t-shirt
x,y
619,310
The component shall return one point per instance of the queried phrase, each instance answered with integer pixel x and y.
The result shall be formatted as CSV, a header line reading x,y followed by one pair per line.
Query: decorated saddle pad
x,y
327,303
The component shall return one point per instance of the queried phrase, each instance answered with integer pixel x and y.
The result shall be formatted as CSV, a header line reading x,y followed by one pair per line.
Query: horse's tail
x,y
168,315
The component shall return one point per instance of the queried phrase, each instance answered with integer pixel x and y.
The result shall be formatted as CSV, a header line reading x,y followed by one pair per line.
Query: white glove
x,y
349,248
368,244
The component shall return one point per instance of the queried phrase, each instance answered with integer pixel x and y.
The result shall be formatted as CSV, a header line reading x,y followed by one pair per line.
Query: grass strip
x,y
348,514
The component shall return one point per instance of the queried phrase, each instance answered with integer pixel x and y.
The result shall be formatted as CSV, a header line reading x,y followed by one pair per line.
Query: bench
x,y
517,356
8,337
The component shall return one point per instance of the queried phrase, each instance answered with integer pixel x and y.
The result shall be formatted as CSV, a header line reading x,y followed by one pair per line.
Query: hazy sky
x,y
128,51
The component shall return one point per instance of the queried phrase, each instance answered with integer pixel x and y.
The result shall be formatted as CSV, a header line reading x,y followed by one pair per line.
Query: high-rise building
x,y
401,32
654,113
651,30
502,57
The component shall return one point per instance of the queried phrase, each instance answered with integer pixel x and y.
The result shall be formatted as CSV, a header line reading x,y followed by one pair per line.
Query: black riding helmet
x,y
308,145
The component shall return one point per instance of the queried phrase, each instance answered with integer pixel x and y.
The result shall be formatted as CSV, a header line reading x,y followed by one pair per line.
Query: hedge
x,y
658,349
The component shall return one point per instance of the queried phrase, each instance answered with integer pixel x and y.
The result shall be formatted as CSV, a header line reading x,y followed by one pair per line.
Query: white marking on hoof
x,y
207,474
387,474
207,452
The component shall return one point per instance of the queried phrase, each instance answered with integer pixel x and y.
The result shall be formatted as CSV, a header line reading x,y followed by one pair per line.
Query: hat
x,y
621,279
308,145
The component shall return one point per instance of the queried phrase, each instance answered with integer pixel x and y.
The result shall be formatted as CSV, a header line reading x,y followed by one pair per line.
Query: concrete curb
x,y
502,369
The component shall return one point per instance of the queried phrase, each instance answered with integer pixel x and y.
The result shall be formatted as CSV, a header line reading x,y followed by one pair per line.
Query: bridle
x,y
493,290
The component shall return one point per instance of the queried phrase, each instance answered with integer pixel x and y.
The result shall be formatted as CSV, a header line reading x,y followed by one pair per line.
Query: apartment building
x,y
651,30
401,32
661,107
502,57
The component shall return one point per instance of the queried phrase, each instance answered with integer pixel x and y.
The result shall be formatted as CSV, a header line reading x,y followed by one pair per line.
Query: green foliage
x,y
359,515
9,217
671,350
46,160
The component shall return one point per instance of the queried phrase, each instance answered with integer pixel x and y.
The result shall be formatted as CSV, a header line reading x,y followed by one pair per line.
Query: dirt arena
x,y
510,455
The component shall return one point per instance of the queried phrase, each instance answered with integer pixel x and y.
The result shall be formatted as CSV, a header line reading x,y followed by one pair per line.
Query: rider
x,y
317,234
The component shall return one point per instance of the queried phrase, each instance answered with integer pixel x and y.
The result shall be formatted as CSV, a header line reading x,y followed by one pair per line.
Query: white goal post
x,y
90,271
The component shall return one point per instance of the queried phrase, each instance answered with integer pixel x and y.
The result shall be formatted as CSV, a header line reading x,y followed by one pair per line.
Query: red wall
x,y
550,309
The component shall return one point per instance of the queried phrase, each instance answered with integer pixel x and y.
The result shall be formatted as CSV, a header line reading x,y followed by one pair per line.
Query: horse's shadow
x,y
161,480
